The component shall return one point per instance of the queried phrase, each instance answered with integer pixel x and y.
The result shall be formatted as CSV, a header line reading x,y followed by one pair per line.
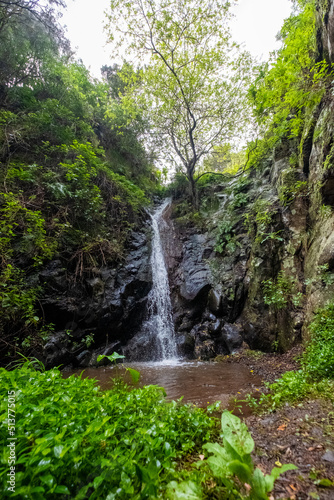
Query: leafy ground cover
x,y
294,417
75,441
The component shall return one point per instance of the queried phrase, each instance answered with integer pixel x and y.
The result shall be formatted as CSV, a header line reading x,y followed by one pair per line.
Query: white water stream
x,y
160,321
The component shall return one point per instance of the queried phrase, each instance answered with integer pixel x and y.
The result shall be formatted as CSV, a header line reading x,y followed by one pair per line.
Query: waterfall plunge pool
x,y
200,383
197,382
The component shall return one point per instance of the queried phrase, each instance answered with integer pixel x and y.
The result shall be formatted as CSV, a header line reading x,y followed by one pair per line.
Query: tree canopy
x,y
193,76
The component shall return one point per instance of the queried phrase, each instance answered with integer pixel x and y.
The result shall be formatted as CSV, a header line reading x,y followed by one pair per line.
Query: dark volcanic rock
x,y
231,335
195,269
110,304
215,301
141,347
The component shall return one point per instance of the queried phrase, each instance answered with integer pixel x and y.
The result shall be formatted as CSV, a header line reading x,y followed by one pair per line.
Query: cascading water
x,y
160,321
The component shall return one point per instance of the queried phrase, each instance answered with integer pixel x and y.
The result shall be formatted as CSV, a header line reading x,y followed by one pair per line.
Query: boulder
x,y
231,336
194,267
215,301
215,328
205,350
83,358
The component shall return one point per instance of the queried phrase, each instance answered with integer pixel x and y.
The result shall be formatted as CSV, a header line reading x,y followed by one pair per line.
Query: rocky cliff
x,y
250,269
264,262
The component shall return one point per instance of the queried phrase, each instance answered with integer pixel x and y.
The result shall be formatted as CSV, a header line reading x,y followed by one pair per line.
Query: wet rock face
x,y
232,336
325,34
110,304
194,267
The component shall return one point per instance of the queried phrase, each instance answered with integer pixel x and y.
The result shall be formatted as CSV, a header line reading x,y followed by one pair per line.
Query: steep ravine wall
x,y
217,269
219,294
220,297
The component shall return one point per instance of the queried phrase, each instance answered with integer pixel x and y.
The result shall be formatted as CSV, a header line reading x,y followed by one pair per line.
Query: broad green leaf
x,y
187,490
135,375
218,466
237,434
97,481
37,489
60,450
47,479
216,449
241,470
275,473
111,358
111,496
63,490
324,483
259,485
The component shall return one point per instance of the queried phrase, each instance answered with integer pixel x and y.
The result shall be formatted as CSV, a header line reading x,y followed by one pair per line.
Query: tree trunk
x,y
193,191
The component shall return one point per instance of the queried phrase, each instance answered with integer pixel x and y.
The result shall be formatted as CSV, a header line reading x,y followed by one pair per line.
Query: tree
x,y
29,35
45,12
193,79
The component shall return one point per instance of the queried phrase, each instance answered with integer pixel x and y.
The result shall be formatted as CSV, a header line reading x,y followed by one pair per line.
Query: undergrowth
x,y
316,376
74,441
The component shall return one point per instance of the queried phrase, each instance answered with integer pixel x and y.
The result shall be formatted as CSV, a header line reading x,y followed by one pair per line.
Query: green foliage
x,y
316,376
134,374
23,231
291,387
17,299
112,358
129,193
178,186
186,490
290,86
292,189
239,200
233,460
259,219
281,291
326,275
318,359
325,211
88,340
294,82
122,446
190,105
329,161
225,238
322,277
224,159
74,171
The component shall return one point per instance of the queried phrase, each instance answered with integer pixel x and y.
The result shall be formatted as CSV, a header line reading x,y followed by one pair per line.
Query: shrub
x,y
280,291
318,359
23,231
75,440
17,298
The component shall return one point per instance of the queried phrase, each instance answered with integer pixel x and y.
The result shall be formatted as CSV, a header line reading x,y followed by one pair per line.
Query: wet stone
x,y
328,456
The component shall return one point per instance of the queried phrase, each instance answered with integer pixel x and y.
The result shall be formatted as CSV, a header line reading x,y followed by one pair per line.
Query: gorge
x,y
166,257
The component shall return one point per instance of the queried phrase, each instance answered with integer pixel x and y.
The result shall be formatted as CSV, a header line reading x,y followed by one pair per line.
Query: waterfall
x,y
160,321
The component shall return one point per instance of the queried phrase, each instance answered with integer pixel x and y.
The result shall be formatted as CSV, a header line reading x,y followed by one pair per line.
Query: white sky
x,y
256,24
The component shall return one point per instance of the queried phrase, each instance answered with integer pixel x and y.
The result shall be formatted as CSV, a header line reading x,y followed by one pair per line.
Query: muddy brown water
x,y
197,382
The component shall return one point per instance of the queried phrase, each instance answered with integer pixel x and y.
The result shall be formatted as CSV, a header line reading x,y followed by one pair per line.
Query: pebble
x,y
328,456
